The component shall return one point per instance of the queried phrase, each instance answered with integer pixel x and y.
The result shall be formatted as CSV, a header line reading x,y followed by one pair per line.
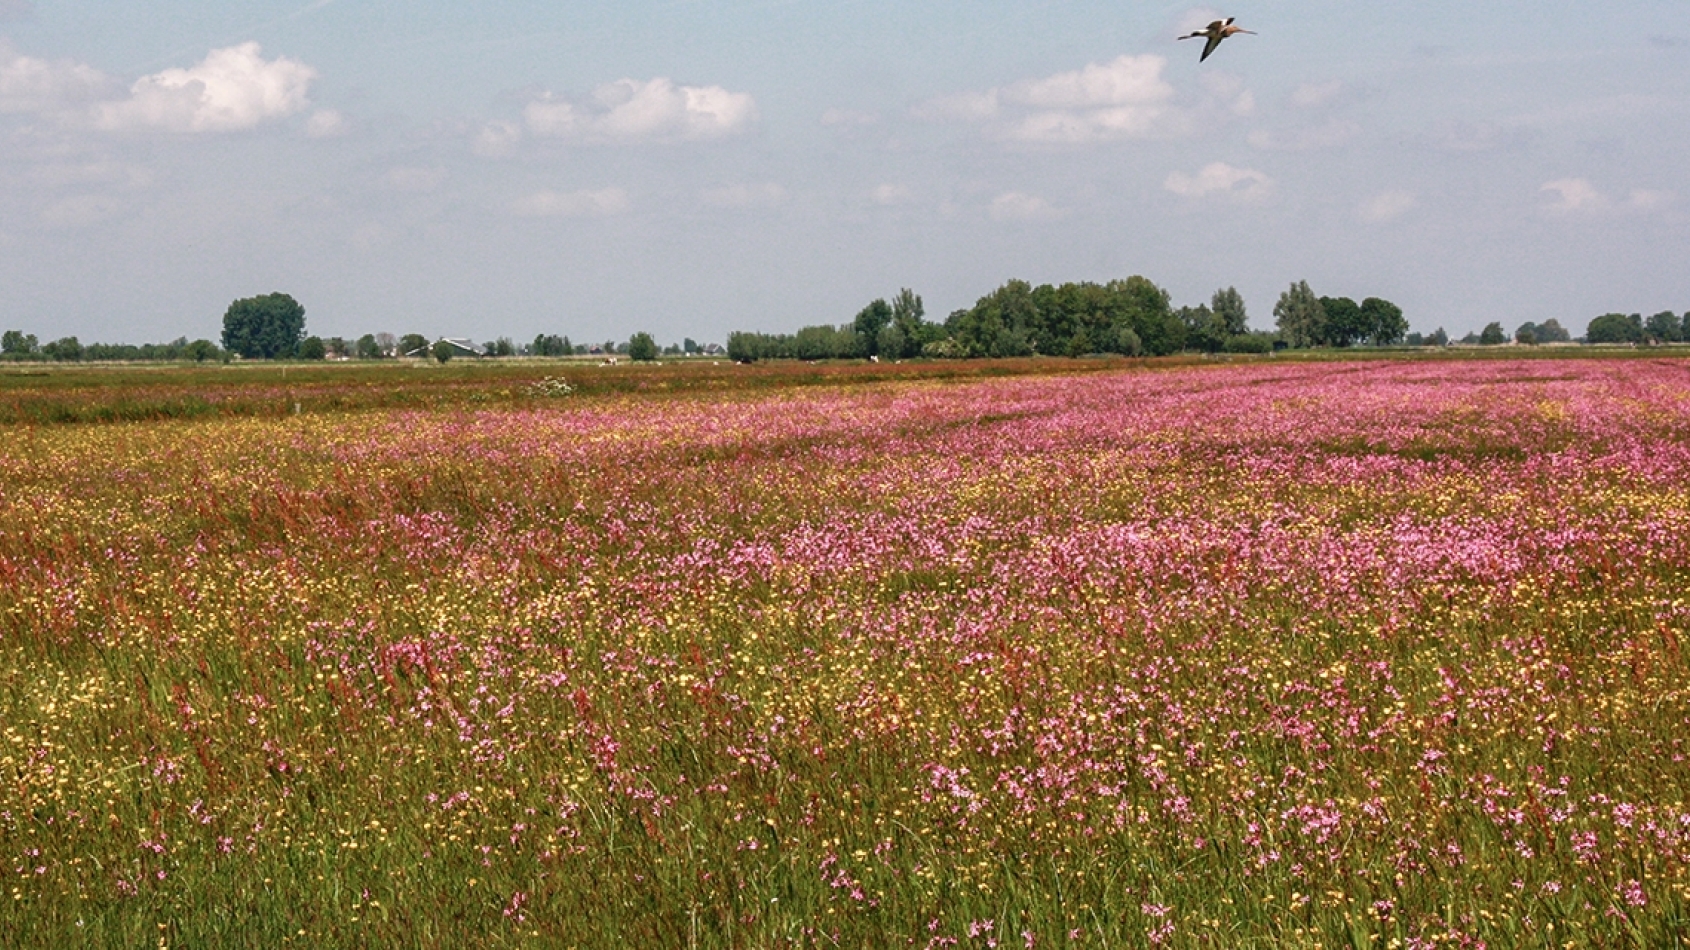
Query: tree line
x,y
272,327
1135,317
1131,317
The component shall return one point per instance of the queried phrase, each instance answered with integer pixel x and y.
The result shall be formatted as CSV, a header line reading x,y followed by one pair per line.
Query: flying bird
x,y
1216,31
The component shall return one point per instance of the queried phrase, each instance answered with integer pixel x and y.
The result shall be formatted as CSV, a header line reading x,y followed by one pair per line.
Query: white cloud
x,y
629,110
888,194
849,117
1579,196
1016,206
407,178
1575,194
498,139
231,89
1387,206
740,197
37,85
1645,199
1220,179
1124,98
325,124
572,204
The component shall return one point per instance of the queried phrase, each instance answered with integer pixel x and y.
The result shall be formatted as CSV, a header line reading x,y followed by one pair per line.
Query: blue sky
x,y
690,168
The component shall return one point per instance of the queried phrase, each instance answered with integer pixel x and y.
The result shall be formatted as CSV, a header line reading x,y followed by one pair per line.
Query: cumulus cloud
x,y
1574,194
1124,98
572,204
630,111
1218,179
231,89
1579,196
41,86
1017,206
1386,206
498,139
741,197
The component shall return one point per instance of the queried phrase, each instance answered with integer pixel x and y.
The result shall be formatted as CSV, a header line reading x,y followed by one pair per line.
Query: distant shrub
x,y
1248,343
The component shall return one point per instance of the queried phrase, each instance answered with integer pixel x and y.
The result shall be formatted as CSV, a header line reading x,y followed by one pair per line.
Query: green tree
x,y
1300,317
312,348
689,346
1663,327
1141,306
1345,323
909,319
1492,335
66,349
1551,331
642,348
442,351
413,344
366,348
501,347
267,327
1080,344
1384,321
998,325
869,322
549,344
18,343
1228,307
200,350
1126,342
1526,335
1616,328
1257,343
1438,338
1204,329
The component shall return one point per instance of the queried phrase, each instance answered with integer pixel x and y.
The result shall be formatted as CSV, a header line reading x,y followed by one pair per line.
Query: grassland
x,y
1051,654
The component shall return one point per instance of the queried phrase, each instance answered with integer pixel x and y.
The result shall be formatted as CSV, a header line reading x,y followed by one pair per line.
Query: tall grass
x,y
1363,655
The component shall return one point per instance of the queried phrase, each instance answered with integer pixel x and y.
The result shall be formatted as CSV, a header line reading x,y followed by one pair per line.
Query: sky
x,y
688,168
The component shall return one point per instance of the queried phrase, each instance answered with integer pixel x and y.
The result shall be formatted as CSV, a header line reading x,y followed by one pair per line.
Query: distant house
x,y
461,346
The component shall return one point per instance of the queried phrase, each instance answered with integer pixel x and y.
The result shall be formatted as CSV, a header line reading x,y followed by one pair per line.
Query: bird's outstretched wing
x,y
1209,47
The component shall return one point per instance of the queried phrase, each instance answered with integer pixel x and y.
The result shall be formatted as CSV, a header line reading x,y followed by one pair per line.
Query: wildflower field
x,y
1353,654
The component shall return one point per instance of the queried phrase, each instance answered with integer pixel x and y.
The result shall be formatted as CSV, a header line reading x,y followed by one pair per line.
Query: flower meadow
x,y
1356,654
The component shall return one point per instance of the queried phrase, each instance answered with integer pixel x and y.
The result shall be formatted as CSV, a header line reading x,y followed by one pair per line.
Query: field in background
x,y
1272,654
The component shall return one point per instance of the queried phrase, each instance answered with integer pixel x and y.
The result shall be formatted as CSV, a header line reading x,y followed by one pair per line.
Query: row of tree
x,y
18,345
1132,317
1663,327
